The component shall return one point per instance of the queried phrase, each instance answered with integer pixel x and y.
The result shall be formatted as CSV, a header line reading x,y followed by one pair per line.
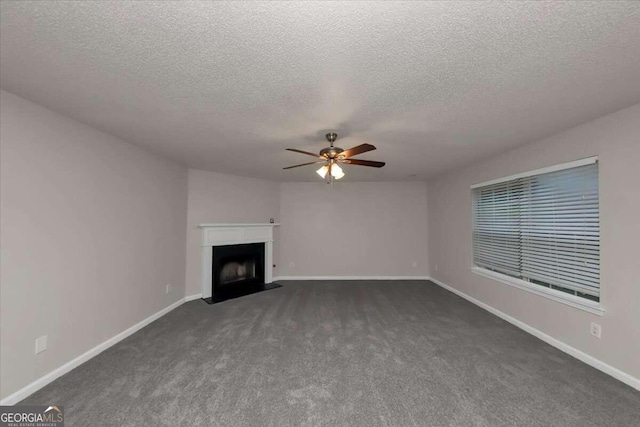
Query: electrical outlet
x,y
436,267
168,288
291,264
414,264
596,330
41,344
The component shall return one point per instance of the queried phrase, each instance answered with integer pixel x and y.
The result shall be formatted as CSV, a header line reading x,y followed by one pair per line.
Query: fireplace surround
x,y
237,259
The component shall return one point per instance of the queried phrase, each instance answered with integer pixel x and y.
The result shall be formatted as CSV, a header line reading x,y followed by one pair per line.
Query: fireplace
x,y
237,270
236,259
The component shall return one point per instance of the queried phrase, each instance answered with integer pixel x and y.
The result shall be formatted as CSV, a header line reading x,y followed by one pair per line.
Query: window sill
x,y
570,300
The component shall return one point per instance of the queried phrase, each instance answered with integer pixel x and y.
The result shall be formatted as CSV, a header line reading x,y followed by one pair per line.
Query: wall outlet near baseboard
x,y
436,267
414,264
41,344
168,289
291,264
596,330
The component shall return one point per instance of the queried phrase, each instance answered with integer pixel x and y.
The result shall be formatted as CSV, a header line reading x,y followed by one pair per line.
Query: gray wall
x,y
353,229
93,229
616,140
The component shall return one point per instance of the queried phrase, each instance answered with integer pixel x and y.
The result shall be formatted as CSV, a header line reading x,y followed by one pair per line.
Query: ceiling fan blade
x,y
357,150
305,164
305,152
359,162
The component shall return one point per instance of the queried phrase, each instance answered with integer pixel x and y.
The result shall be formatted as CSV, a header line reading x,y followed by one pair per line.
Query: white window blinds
x,y
542,228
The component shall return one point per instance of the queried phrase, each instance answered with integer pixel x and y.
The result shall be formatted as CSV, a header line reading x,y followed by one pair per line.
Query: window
x,y
543,229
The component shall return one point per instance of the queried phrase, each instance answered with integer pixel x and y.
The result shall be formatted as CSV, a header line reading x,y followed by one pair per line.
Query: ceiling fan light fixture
x,y
323,171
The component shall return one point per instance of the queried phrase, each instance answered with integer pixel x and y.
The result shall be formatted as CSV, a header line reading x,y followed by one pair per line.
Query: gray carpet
x,y
336,354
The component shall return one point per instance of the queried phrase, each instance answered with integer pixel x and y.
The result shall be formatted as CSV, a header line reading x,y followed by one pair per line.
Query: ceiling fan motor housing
x,y
331,152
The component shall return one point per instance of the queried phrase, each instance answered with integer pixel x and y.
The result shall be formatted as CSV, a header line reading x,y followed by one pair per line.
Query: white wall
x,y
616,140
92,231
353,229
218,197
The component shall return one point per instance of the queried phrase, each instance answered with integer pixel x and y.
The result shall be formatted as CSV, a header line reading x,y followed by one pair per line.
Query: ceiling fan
x,y
332,156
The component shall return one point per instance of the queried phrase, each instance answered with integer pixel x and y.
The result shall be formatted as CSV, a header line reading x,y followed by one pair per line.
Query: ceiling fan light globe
x,y
323,171
336,171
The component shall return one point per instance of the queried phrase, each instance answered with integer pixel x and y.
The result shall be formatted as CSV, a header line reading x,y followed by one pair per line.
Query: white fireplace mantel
x,y
222,234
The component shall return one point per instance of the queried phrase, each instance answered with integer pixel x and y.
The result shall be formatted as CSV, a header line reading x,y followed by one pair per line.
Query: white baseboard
x,y
28,390
192,297
580,355
350,278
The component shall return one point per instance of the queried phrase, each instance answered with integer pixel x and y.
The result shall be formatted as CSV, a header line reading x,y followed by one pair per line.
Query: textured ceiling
x,y
228,86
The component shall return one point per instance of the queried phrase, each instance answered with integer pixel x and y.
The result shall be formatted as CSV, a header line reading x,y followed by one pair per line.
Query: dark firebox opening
x,y
237,270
